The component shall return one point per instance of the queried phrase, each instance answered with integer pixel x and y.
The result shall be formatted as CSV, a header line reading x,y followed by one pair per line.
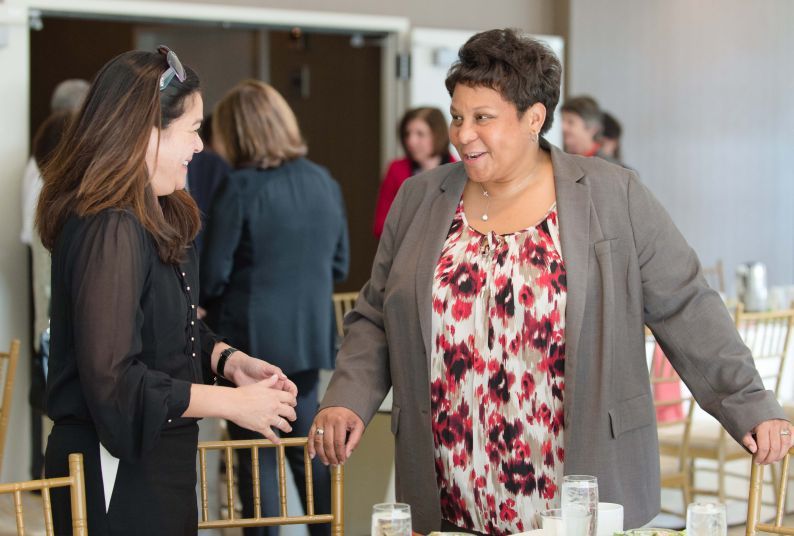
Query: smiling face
x,y
494,143
178,143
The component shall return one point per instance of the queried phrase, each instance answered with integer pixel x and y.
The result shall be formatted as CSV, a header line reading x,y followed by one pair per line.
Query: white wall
x,y
704,90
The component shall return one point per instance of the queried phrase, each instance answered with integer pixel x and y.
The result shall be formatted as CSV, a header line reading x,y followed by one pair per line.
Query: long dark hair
x,y
101,161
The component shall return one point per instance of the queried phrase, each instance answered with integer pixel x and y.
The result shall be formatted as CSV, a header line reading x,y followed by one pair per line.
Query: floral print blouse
x,y
497,375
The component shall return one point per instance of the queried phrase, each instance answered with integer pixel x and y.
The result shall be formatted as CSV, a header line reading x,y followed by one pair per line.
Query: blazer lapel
x,y
573,209
442,210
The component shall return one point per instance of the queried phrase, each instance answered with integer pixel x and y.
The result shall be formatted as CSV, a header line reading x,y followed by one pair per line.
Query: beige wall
x,y
535,16
704,92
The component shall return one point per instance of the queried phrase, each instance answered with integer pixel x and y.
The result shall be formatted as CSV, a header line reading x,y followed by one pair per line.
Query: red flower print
x,y
461,310
497,374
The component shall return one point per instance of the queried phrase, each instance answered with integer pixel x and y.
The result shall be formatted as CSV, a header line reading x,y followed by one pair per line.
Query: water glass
x,y
580,505
391,519
706,519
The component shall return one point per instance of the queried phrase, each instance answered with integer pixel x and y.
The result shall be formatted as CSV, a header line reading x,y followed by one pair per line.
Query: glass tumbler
x,y
580,505
391,519
706,519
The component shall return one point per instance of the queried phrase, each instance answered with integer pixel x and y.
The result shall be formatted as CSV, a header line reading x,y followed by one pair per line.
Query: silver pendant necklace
x,y
484,216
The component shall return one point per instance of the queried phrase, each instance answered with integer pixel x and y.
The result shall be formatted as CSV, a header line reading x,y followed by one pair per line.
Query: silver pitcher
x,y
751,289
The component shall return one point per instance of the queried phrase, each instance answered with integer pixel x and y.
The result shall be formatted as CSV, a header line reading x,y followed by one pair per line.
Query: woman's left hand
x,y
247,370
771,442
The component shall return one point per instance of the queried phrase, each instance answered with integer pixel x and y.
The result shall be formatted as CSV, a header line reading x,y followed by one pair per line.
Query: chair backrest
x,y
75,481
343,303
715,276
754,501
8,368
768,335
335,517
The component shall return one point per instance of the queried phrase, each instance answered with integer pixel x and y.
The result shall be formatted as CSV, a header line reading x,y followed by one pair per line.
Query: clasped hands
x,y
266,397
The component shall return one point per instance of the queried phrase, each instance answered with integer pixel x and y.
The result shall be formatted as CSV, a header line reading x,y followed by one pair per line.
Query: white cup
x,y
610,519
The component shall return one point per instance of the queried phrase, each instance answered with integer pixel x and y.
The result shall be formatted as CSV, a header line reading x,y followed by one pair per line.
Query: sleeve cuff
x,y
179,399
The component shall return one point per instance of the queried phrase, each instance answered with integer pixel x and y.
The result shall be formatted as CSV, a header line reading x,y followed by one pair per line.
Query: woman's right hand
x,y
261,406
328,436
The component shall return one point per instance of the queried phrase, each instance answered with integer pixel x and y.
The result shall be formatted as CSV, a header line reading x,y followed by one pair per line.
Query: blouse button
x,y
183,274
192,338
192,306
192,323
169,420
194,354
188,289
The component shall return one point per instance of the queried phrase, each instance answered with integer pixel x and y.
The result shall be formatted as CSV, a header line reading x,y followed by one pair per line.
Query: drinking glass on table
x,y
706,519
391,519
580,505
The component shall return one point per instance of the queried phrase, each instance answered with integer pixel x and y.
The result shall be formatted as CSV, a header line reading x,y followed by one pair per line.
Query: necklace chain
x,y
484,216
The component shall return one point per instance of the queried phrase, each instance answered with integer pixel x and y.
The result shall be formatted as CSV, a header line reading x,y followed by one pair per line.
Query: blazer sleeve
x,y
691,323
221,238
362,379
128,402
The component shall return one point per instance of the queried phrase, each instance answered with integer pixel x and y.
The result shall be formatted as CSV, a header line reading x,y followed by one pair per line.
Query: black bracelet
x,y
222,360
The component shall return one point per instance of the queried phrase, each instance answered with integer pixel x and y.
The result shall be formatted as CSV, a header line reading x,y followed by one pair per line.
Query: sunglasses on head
x,y
175,67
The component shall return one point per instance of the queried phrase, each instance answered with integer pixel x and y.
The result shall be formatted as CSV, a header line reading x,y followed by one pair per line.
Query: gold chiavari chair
x,y
767,334
754,501
674,460
335,517
8,365
75,481
343,303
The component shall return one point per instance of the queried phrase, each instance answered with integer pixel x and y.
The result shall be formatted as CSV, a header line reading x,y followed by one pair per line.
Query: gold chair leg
x,y
754,500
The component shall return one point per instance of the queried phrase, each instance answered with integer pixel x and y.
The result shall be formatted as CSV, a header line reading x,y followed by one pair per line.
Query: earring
x,y
533,137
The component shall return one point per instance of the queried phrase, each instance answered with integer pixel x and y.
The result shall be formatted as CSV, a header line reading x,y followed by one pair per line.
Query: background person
x,y
425,141
276,241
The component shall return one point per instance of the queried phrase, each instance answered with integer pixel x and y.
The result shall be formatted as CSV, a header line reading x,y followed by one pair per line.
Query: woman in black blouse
x,y
129,357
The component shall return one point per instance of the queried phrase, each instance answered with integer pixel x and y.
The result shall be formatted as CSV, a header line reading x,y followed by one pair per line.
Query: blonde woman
x,y
276,241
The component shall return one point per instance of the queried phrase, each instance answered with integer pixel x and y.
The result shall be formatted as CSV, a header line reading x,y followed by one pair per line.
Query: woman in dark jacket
x,y
276,241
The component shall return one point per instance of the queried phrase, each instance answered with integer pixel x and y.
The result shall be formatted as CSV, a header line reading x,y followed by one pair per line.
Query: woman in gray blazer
x,y
506,308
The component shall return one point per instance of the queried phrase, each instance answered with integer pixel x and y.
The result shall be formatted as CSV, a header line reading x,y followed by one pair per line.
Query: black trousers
x,y
268,472
154,496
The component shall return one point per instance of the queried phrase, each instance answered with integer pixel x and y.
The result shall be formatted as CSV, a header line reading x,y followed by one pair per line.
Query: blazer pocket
x,y
604,246
631,414
395,418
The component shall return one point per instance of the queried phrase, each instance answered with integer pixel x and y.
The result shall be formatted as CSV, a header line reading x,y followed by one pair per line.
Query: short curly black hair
x,y
524,70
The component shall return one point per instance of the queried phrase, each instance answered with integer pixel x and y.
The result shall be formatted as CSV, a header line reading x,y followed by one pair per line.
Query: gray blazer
x,y
627,265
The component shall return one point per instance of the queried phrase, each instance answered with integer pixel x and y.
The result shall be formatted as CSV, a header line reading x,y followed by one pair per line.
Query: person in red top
x,y
425,140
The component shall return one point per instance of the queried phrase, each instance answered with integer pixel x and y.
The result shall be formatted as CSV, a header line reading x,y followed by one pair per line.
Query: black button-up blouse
x,y
126,343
